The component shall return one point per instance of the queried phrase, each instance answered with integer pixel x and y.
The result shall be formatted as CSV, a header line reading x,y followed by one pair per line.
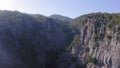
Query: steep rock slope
x,y
97,45
29,41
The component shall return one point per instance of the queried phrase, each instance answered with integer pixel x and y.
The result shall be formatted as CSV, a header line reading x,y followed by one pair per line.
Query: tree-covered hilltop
x,y
61,18
100,17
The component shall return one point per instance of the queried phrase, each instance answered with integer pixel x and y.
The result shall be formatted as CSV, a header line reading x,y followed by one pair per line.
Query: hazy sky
x,y
71,8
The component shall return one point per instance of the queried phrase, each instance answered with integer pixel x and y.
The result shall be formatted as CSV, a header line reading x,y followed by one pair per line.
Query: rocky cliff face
x,y
98,43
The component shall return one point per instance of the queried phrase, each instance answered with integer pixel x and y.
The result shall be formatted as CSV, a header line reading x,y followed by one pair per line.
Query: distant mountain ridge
x,y
60,17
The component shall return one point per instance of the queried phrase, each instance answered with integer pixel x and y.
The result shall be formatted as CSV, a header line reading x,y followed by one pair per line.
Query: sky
x,y
70,8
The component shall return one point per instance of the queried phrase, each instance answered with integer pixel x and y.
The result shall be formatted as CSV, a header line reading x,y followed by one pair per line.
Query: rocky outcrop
x,y
98,45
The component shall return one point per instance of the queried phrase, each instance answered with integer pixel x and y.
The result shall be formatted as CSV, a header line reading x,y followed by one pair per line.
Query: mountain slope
x,y
37,41
97,45
30,41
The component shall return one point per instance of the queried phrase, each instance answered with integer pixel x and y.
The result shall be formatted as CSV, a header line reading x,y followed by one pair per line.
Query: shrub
x,y
96,37
87,49
75,41
78,65
109,37
91,59
74,58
